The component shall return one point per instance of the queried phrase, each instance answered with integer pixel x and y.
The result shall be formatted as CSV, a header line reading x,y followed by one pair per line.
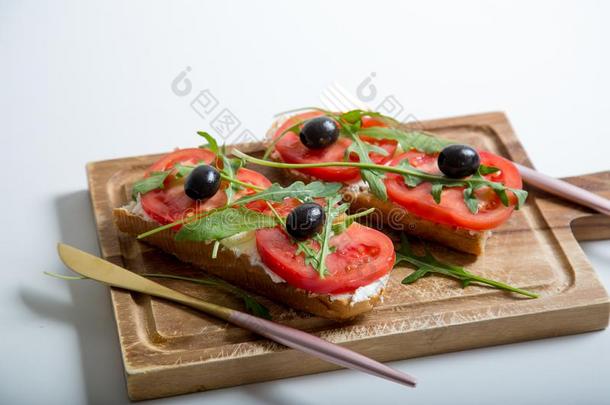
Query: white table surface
x,y
86,81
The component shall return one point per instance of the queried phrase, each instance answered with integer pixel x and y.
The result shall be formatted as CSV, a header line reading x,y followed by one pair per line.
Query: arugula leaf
x,y
483,170
368,147
229,166
471,200
477,181
224,223
428,264
317,258
410,180
229,171
340,227
436,191
212,144
521,196
311,255
355,116
373,178
375,181
332,211
255,307
298,190
500,191
303,247
182,170
153,182
352,116
373,174
418,140
437,186
416,275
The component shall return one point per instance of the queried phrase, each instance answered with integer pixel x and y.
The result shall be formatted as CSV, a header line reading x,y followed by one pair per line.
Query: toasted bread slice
x,y
240,270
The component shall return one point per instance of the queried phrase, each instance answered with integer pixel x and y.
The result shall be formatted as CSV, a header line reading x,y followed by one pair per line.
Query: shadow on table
x,y
90,310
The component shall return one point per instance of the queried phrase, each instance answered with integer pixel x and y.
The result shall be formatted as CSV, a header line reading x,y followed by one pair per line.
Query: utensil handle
x,y
564,189
320,348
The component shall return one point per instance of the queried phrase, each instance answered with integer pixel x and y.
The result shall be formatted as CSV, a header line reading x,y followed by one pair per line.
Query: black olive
x,y
320,132
305,221
203,182
458,161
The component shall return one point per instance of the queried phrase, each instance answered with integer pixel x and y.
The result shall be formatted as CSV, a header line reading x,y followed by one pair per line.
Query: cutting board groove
x,y
168,349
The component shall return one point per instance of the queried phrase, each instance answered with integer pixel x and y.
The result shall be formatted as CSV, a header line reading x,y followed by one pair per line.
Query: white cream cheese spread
x,y
135,207
365,292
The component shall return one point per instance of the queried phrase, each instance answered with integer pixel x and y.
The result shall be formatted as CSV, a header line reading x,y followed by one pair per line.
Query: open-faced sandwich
x,y
297,242
293,244
418,183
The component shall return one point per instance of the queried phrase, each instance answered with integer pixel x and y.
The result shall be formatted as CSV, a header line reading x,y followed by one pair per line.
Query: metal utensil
x,y
101,270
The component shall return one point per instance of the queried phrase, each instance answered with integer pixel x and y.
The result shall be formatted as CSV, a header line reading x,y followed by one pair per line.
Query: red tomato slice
x,y
254,178
452,210
362,256
189,156
291,150
171,204
368,122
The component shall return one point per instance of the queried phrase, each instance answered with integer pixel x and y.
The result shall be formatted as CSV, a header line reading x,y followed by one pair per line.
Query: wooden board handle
x,y
598,183
586,224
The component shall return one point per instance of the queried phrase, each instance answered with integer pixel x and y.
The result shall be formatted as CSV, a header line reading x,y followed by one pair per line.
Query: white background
x,y
86,81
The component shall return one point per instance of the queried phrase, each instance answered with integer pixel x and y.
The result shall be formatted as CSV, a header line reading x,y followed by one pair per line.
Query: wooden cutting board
x,y
168,349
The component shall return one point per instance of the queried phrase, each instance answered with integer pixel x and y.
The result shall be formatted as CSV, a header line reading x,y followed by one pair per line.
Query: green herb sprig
x,y
318,259
333,210
224,223
408,140
428,264
412,177
350,123
373,178
298,190
229,166
303,247
304,192
154,181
